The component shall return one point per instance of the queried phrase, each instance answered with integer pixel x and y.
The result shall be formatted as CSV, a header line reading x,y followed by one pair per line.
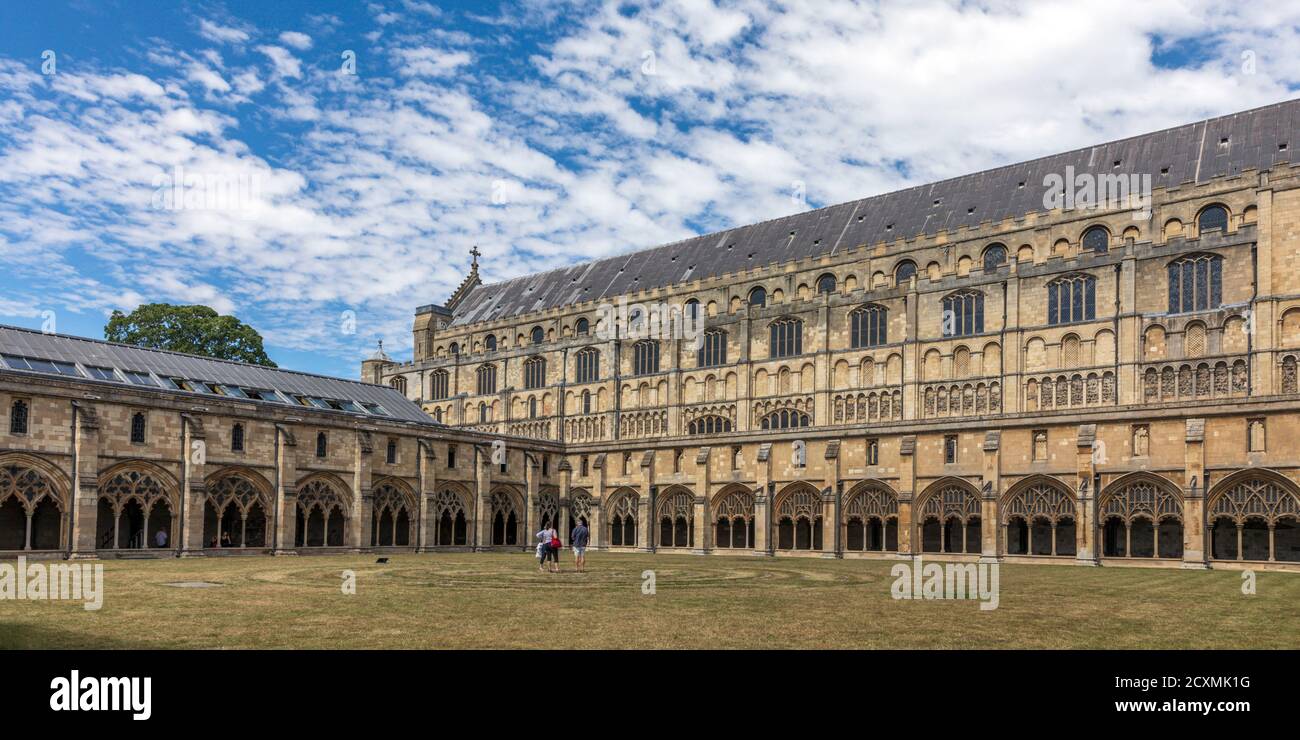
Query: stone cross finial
x,y
474,254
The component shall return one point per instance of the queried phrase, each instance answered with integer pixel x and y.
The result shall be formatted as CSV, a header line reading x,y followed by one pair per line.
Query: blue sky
x,y
544,132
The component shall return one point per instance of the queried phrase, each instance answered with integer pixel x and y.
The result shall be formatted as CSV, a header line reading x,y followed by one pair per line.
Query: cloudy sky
x,y
320,169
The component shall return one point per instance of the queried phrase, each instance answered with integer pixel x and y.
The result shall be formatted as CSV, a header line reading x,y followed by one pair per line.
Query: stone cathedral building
x,y
1086,358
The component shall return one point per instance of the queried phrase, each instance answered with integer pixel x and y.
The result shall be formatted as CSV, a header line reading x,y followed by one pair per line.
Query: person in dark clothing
x,y
578,541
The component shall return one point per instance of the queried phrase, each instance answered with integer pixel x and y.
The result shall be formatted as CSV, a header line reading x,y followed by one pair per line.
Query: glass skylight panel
x,y
101,373
376,409
320,403
139,378
42,366
16,362
234,390
169,383
349,406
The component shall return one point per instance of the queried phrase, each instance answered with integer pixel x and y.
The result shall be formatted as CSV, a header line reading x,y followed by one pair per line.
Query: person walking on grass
x,y
578,541
553,549
543,545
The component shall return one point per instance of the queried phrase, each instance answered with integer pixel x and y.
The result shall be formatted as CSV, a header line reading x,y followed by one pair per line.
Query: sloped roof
x,y
20,342
1192,153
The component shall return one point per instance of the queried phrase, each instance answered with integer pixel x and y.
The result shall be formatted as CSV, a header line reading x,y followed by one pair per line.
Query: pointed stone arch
x,y
237,500
506,517
34,495
732,509
870,517
1039,514
323,512
620,509
453,515
1254,514
140,495
1140,515
798,517
394,517
948,517
675,517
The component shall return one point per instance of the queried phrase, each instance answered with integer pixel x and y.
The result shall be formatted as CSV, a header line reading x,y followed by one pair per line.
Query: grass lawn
x,y
501,601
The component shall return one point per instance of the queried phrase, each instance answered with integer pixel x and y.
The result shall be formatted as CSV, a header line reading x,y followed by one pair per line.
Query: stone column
x,y
286,492
482,500
1086,527
532,486
648,503
764,542
193,494
906,492
363,499
990,529
427,475
84,496
703,516
832,499
1194,555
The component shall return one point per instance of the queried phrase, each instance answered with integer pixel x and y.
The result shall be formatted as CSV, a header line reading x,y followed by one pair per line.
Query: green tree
x,y
197,330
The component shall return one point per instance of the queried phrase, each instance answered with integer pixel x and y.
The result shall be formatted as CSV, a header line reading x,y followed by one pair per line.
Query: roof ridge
x,y
184,354
920,186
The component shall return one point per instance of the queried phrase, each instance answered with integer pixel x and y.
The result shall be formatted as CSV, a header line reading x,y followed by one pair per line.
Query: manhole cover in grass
x,y
192,584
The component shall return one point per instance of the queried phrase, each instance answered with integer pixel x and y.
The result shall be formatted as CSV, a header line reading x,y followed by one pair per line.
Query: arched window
x,y
758,297
455,349
1214,217
785,419
645,357
398,384
582,328
785,338
390,454
18,418
904,272
483,412
534,373
1096,239
869,326
1071,298
437,414
709,425
487,379
532,408
995,256
1195,283
537,335
586,402
438,386
713,350
963,314
322,444
490,343
137,428
588,365
826,283
692,309
237,438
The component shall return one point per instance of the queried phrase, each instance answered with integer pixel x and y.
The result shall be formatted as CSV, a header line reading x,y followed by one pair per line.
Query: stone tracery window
x,y
869,326
622,521
393,518
322,515
871,520
950,521
1071,298
1040,520
734,521
799,521
1142,519
1255,519
1195,283
785,338
677,520
449,513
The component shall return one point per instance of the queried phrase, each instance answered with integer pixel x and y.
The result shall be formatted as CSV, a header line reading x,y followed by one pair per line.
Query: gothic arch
x,y
394,514
323,511
1141,515
675,517
1039,516
506,517
871,517
452,514
620,508
238,501
141,495
1254,514
948,517
31,490
733,522
798,517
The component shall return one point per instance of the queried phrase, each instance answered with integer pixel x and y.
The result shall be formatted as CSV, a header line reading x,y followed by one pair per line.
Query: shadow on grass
x,y
19,636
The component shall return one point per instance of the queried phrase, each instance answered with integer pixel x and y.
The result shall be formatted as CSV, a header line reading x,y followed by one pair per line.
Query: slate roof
x,y
1192,153
92,353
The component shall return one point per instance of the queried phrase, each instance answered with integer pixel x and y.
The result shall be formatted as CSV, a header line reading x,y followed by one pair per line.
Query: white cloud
x,y
296,39
220,34
284,63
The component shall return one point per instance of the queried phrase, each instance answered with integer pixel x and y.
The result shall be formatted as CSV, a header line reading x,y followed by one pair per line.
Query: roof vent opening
x,y
1164,170
1223,141
751,255
1115,164
1281,147
861,217
889,227
970,210
1020,184
937,201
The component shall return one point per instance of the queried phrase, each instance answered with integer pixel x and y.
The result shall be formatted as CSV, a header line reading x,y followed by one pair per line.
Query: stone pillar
x,y
84,496
648,503
286,491
482,500
703,510
990,491
532,487
764,542
363,499
427,475
832,501
599,499
1086,526
906,492
1194,555
193,494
